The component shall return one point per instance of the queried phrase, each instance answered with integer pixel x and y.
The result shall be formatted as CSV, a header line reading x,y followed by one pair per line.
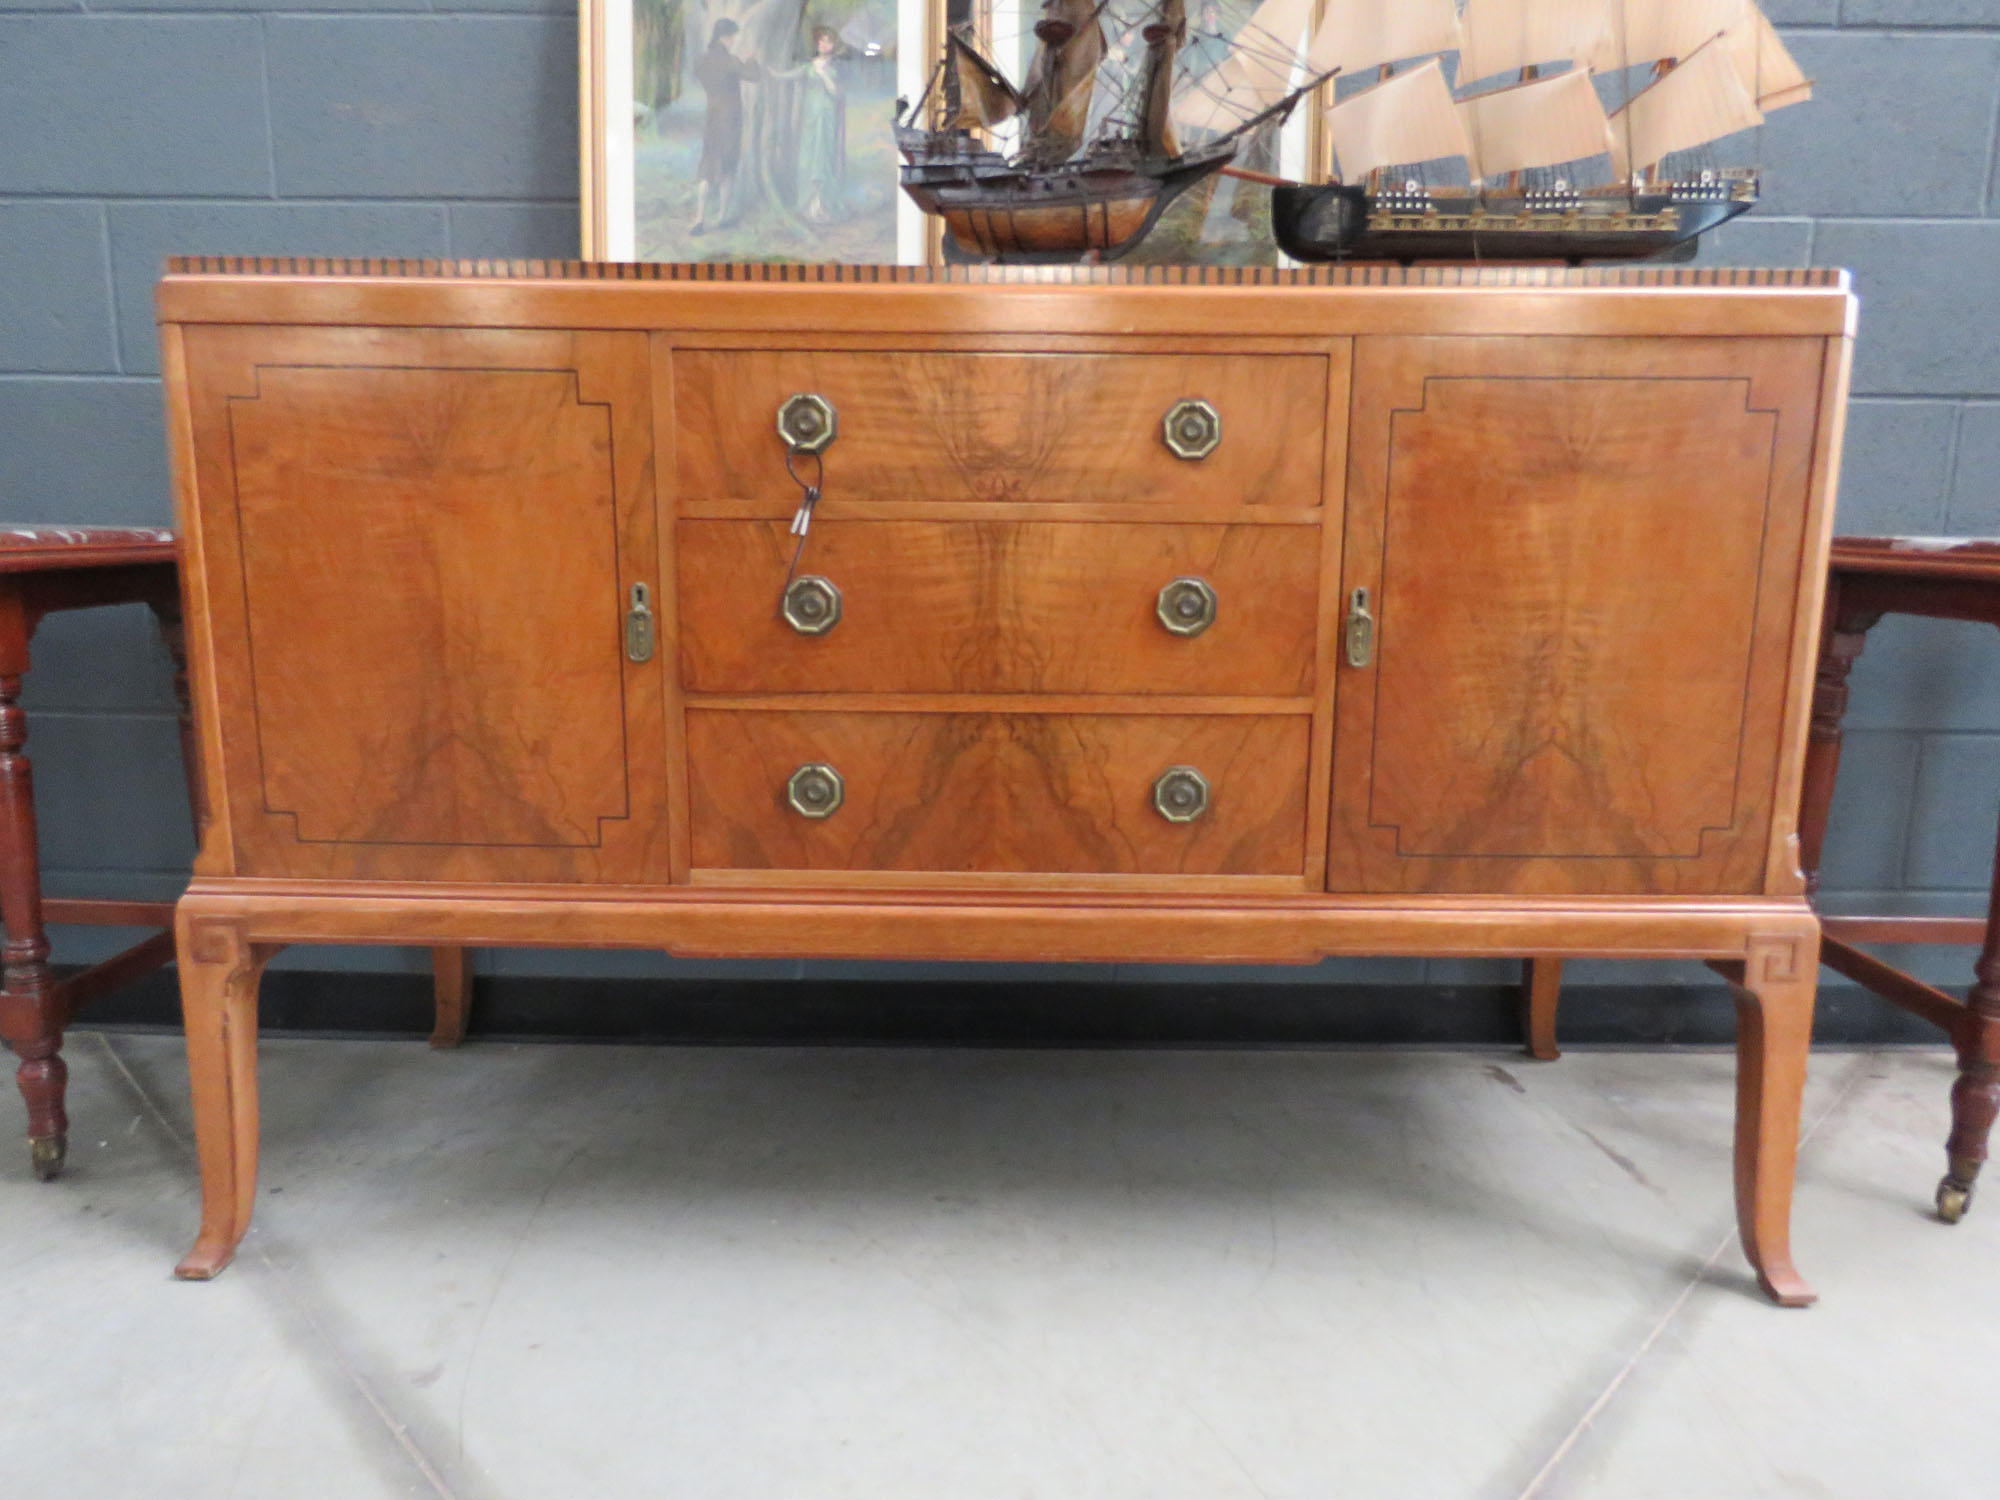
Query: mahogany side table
x,y
44,569
1867,578
1945,579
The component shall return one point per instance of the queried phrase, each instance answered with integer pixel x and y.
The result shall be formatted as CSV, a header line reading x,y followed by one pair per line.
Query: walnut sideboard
x,y
1170,616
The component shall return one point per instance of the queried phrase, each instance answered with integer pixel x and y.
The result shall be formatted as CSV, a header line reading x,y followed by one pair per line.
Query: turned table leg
x,y
1975,1096
1774,991
219,971
30,1005
1541,988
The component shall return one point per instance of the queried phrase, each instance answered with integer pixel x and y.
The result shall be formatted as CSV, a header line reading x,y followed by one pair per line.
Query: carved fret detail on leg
x,y
1840,646
1975,1096
451,977
1541,988
1774,989
220,969
167,615
30,1006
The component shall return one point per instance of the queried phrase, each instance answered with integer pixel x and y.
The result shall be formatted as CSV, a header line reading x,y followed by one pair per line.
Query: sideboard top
x,y
1107,299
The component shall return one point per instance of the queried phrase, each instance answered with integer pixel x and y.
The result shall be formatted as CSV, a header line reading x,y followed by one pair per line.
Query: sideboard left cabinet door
x,y
422,550
1571,578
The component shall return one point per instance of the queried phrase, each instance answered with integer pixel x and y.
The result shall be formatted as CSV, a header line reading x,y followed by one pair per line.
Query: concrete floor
x,y
570,1271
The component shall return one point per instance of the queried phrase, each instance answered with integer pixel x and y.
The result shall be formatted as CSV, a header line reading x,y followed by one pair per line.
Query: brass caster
x,y
1953,1199
47,1152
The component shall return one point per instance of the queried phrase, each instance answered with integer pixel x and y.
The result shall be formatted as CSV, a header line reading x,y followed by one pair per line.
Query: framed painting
x,y
750,129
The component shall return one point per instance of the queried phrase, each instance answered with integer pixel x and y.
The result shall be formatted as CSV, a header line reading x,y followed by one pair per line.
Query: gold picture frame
x,y
808,175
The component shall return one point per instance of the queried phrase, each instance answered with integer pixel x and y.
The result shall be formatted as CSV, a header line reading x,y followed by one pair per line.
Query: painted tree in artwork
x,y
768,34
659,52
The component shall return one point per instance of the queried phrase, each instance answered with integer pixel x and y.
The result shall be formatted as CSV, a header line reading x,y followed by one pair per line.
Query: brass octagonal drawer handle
x,y
1193,428
1181,794
807,422
812,605
1187,606
816,791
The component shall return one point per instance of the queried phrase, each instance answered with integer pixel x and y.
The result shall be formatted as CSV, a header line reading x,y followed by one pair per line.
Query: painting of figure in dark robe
x,y
762,129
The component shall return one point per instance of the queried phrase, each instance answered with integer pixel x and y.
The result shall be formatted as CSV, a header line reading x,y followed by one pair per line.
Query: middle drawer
x,y
999,607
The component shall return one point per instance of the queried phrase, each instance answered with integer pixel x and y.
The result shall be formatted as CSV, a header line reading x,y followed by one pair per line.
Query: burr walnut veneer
x,y
1467,613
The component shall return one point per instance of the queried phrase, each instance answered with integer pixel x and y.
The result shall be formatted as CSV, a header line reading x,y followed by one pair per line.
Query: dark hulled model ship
x,y
1717,67
1081,183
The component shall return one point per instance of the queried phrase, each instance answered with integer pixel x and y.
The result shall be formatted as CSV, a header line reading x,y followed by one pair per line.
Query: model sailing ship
x,y
1519,161
1083,182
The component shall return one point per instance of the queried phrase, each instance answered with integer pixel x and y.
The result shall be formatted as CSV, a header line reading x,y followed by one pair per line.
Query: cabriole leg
x,y
220,970
1774,990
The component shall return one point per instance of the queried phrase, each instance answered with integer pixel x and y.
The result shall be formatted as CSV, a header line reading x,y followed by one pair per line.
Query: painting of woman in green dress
x,y
823,133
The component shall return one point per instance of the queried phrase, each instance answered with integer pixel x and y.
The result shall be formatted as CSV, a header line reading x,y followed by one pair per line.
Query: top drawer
x,y
1003,427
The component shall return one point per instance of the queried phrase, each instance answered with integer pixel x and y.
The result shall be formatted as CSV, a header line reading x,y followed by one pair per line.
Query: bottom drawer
x,y
1054,793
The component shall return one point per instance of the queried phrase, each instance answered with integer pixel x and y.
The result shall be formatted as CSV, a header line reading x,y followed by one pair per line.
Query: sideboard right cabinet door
x,y
1580,558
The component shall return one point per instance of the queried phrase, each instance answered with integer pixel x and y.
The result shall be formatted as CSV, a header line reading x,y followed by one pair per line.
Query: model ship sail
x,y
1282,41
1357,34
1063,76
1504,36
1718,68
977,94
1409,117
1542,123
1767,69
1412,118
1651,31
1701,100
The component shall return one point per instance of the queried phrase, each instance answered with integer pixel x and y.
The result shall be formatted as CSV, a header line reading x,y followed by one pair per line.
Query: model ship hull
x,y
1003,211
1340,222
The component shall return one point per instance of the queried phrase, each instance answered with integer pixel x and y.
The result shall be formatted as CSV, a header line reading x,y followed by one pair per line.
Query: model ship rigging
x,y
1081,182
1513,157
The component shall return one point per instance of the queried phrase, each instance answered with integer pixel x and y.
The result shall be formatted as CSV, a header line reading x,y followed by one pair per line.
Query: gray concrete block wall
x,y
134,129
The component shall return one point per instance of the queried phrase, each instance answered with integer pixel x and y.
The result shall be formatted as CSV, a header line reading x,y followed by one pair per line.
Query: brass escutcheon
x,y
812,605
807,422
639,624
1360,630
816,791
1181,794
1193,428
1186,606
